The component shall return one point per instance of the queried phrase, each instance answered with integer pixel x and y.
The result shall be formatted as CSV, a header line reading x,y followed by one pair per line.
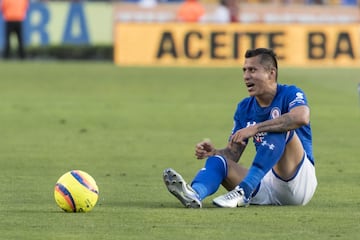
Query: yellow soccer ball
x,y
76,191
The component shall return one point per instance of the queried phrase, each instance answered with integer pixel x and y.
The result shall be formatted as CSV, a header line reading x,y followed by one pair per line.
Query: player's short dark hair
x,y
267,57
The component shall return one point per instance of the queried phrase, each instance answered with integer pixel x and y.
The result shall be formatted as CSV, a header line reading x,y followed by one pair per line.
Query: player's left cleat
x,y
232,199
180,189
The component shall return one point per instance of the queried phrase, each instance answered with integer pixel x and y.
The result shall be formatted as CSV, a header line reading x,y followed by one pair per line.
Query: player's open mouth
x,y
250,86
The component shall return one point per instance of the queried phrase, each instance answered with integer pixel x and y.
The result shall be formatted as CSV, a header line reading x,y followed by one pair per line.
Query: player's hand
x,y
241,136
204,149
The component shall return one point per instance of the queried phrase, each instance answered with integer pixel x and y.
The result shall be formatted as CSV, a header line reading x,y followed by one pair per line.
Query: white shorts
x,y
297,191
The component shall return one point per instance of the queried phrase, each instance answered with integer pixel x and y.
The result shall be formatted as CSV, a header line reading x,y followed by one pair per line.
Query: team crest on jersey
x,y
275,113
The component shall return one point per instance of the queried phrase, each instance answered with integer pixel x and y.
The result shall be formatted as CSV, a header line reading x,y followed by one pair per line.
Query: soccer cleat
x,y
180,189
232,199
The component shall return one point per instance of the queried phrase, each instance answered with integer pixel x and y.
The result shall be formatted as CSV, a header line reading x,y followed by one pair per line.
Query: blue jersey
x,y
249,112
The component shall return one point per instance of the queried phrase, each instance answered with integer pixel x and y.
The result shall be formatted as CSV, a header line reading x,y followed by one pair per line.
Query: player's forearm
x,y
231,152
283,123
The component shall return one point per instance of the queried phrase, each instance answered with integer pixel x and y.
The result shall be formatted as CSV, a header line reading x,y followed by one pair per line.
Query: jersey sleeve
x,y
238,119
236,125
296,97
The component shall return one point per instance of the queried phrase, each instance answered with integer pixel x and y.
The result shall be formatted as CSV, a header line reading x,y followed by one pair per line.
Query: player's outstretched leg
x,y
180,189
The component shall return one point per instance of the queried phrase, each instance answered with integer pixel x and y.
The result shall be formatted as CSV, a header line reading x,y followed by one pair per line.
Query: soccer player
x,y
277,118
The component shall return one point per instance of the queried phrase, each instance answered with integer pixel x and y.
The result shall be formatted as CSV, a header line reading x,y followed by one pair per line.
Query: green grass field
x,y
125,125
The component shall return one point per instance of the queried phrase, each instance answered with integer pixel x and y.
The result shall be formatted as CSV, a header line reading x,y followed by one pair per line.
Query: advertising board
x,y
176,44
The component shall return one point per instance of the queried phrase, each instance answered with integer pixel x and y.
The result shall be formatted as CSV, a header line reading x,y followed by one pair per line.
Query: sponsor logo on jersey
x,y
259,137
269,145
299,99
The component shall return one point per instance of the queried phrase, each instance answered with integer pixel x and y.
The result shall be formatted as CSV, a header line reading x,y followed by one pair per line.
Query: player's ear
x,y
273,74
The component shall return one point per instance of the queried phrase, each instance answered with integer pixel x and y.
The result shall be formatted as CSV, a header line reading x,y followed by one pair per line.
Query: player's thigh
x,y
300,189
297,191
293,154
235,174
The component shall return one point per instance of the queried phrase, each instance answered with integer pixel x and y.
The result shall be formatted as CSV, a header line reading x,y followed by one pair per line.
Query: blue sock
x,y
209,178
268,153
252,180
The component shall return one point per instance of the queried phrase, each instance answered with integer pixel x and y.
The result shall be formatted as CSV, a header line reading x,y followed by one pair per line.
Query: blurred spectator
x,y
233,6
220,15
190,11
314,2
147,3
14,13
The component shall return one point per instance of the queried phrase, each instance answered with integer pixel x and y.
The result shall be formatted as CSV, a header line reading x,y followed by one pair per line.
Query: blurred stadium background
x,y
149,32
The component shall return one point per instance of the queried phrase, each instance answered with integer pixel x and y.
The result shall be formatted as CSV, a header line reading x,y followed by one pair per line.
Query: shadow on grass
x,y
152,205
